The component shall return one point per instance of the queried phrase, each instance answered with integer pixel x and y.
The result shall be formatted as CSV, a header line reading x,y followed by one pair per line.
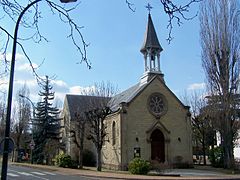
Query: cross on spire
x,y
149,7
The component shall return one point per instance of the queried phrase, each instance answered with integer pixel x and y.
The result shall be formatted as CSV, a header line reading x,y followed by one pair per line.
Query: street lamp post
x,y
33,106
10,89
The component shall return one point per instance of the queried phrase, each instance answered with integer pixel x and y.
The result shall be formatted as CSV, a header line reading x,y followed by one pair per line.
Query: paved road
x,y
38,172
26,173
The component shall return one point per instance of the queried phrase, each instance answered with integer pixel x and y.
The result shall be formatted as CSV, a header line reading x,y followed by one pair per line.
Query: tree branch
x,y
13,9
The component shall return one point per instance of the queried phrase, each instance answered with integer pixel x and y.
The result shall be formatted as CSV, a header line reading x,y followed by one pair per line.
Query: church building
x,y
147,120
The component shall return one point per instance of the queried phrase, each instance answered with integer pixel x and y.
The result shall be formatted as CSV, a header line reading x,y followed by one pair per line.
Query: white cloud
x,y
24,75
80,90
9,56
31,83
3,85
59,83
19,56
59,96
75,90
26,67
196,86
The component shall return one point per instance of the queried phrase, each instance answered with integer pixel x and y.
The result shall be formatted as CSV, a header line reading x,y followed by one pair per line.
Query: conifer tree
x,y
46,124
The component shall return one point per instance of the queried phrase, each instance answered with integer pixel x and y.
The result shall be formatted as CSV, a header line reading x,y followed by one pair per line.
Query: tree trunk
x,y
18,148
204,153
228,156
80,163
212,153
228,146
99,162
204,148
82,126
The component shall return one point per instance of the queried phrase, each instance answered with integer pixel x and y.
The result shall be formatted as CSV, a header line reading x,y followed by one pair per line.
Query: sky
x,y
115,35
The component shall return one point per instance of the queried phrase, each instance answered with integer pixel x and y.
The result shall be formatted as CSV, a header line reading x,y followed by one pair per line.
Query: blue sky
x,y
115,35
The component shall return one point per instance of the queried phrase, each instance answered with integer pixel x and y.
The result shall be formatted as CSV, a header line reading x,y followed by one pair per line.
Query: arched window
x,y
113,133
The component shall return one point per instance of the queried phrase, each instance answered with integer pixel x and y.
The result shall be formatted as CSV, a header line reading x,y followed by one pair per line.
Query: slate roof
x,y
150,38
125,96
83,103
128,95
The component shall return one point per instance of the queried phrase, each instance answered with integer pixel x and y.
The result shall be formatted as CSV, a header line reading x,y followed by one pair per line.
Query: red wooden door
x,y
157,146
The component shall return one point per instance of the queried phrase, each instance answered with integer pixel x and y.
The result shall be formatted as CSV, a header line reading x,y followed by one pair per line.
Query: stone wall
x,y
174,125
111,151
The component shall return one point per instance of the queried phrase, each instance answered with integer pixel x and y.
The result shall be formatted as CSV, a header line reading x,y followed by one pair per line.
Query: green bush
x,y
139,166
88,158
216,157
64,160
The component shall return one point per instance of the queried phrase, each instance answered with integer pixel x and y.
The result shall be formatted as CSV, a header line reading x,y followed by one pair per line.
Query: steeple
x,y
151,50
150,38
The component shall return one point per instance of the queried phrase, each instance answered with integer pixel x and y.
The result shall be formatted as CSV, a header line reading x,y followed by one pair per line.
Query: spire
x,y
151,50
150,38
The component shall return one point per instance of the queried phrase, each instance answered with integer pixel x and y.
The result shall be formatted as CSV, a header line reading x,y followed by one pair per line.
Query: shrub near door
x,y
139,166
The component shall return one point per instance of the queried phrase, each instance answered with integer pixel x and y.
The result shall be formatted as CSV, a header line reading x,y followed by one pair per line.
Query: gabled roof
x,y
150,38
83,103
128,95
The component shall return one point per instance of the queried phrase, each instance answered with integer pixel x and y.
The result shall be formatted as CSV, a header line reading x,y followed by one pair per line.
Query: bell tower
x,y
151,50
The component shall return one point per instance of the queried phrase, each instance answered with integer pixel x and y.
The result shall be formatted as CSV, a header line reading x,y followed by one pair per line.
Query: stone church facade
x,y
147,120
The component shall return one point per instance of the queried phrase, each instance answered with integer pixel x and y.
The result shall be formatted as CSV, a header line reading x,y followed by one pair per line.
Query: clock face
x,y
157,104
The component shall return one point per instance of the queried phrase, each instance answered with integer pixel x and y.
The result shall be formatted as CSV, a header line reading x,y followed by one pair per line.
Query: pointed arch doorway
x,y
157,146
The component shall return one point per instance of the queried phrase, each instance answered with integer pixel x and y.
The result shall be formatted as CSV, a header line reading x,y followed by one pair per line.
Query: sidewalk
x,y
195,173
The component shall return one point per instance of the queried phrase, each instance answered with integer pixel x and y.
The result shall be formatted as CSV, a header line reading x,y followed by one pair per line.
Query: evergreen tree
x,y
46,124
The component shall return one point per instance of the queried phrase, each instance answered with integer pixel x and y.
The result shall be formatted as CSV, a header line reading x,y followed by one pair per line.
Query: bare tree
x,y
199,123
97,133
203,128
83,125
78,133
97,114
219,34
22,119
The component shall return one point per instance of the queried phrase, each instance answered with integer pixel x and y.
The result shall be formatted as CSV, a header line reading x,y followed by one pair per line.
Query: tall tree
x,y
99,110
78,133
203,129
46,124
220,39
22,122
97,133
